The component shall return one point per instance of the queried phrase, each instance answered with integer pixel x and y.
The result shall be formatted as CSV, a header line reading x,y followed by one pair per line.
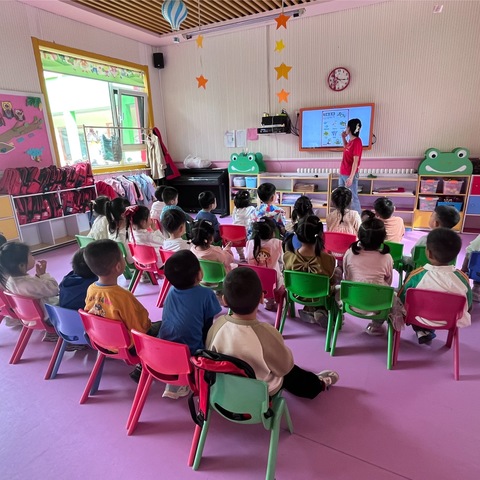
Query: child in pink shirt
x,y
394,226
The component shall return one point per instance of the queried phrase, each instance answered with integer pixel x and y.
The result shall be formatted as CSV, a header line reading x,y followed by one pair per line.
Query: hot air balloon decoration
x,y
174,12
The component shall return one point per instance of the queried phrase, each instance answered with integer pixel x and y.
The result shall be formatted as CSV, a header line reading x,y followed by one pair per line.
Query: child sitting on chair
x,y
384,209
99,228
157,206
342,219
170,198
259,344
267,194
189,309
208,203
174,223
242,215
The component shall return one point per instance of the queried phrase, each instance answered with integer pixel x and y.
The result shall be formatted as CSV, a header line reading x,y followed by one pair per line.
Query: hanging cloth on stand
x,y
155,157
171,170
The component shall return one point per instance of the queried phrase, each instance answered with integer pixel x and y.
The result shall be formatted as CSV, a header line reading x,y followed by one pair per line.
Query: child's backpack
x,y
32,182
11,182
206,365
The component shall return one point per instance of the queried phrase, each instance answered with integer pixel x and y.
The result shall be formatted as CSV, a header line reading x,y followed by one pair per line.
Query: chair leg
x,y
93,376
194,447
390,346
330,327
278,317
96,383
450,337
163,293
153,278
135,280
396,347
338,324
456,356
274,436
22,342
284,315
288,418
136,398
141,404
53,361
201,442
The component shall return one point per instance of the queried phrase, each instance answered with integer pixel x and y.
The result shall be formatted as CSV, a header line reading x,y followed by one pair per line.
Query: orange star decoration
x,y
279,46
282,71
282,21
199,41
202,82
283,96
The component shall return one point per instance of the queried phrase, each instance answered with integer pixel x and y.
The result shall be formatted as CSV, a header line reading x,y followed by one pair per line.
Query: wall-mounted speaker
x,y
158,60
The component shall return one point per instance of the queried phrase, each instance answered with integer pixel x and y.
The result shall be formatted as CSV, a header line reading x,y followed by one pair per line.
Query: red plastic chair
x,y
111,339
145,260
237,234
338,243
435,306
268,278
31,313
164,255
161,360
5,309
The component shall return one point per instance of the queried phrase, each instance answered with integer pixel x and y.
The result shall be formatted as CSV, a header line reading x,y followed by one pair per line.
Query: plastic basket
x,y
428,204
452,187
457,205
428,186
251,182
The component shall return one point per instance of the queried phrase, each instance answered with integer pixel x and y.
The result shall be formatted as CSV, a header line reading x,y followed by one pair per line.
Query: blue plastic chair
x,y
474,267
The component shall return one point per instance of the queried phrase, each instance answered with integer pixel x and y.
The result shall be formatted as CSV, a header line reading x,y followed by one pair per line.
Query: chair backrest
x,y
213,272
474,266
67,323
366,297
165,254
5,309
164,360
396,250
83,240
308,285
110,337
441,308
29,310
339,243
144,257
237,234
420,256
268,278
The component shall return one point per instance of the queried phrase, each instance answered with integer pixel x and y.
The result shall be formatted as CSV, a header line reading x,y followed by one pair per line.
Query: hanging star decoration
x,y
282,71
279,46
202,82
283,96
282,20
199,41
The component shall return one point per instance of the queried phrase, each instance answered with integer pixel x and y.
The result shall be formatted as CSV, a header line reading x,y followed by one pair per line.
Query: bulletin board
x,y
24,132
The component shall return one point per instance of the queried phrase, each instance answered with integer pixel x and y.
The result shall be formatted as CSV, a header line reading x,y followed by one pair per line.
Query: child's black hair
x,y
371,236
302,207
202,233
384,207
159,193
173,219
242,199
264,229
12,255
101,256
309,230
355,125
169,194
366,215
205,199
242,290
341,199
114,211
98,204
447,216
3,239
79,265
181,269
266,191
141,214
444,245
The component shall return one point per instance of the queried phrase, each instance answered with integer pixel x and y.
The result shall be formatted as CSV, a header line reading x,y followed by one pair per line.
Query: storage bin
x,y
474,207
251,182
457,205
238,181
428,204
452,187
428,186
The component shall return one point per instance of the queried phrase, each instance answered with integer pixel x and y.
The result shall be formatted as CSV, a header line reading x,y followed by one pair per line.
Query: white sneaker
x,y
12,322
175,391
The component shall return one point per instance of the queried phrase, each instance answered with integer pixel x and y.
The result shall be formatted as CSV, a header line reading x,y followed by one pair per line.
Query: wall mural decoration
x,y
24,134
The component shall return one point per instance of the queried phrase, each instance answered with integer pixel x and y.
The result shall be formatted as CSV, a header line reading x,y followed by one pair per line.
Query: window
x,y
99,107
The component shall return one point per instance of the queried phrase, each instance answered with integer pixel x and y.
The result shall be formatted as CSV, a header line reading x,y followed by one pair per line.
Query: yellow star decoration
x,y
199,41
283,96
202,82
282,71
282,21
279,46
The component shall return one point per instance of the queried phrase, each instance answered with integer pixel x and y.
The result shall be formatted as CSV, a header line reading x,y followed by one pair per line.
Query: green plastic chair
x,y
213,274
83,240
367,297
310,289
396,251
420,257
130,272
246,400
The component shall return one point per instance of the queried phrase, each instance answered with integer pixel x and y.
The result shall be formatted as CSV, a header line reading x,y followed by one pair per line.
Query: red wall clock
x,y
338,79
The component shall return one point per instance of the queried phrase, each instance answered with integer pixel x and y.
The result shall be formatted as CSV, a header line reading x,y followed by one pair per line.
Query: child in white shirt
x,y
242,215
174,223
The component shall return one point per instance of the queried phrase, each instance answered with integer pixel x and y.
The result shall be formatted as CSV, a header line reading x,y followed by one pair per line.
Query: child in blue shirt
x,y
208,202
267,194
189,308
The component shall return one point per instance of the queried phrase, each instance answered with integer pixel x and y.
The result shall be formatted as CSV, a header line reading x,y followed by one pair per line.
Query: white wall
x,y
420,69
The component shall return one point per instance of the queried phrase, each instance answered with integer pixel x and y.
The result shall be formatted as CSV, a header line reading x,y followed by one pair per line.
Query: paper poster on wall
x,y
229,138
240,138
24,134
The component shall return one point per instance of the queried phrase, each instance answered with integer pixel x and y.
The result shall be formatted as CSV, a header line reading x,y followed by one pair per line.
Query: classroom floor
x,y
414,422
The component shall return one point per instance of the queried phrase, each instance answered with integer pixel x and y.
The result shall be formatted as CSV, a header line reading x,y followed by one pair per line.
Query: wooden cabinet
x,y
472,213
8,224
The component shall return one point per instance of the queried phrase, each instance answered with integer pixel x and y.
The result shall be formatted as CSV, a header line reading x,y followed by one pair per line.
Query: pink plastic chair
x,y
161,360
145,260
31,313
164,255
237,234
268,278
111,339
338,243
438,307
5,309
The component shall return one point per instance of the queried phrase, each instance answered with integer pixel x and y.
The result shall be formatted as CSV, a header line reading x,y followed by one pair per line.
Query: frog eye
x,y
234,157
251,157
433,154
462,153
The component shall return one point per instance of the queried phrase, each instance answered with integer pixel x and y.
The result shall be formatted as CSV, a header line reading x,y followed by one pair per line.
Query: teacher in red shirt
x,y
352,154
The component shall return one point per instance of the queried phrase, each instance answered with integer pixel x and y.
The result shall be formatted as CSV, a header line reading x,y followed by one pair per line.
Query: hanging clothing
x,y
171,170
155,157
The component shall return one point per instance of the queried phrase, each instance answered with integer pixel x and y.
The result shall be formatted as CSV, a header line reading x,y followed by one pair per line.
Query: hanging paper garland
x,y
282,69
201,80
174,12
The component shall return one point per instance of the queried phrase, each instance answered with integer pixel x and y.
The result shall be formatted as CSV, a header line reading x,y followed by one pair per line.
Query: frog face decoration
x,y
455,162
249,163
